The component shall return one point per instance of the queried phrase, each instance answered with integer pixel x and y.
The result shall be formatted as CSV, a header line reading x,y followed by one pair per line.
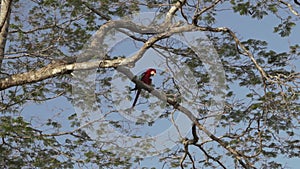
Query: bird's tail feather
x,y
136,97
133,89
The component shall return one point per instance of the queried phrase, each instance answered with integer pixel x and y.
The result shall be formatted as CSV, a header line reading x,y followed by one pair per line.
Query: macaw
x,y
146,78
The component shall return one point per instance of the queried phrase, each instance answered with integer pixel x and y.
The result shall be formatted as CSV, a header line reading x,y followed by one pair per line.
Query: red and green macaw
x,y
146,78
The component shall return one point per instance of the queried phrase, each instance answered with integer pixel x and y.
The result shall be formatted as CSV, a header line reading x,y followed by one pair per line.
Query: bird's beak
x,y
153,73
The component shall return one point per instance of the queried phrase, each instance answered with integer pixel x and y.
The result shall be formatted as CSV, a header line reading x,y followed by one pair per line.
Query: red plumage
x,y
146,78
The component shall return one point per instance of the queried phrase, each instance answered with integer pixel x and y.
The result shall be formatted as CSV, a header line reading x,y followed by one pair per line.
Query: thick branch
x,y
4,24
178,5
52,70
5,12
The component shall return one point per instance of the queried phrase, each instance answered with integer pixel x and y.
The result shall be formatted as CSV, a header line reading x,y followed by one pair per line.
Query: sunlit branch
x,y
4,25
5,10
291,7
170,14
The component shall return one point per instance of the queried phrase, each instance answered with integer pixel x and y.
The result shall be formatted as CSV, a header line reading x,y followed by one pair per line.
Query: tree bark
x,y
4,24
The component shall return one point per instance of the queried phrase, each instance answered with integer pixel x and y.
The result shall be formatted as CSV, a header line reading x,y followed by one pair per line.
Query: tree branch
x,y
196,16
264,75
95,11
291,7
162,96
4,24
186,152
178,5
55,69
210,157
5,12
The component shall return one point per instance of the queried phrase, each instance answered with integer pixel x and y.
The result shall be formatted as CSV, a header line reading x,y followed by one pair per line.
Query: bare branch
x,y
196,16
5,12
210,157
186,152
291,7
54,69
4,24
173,10
95,11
